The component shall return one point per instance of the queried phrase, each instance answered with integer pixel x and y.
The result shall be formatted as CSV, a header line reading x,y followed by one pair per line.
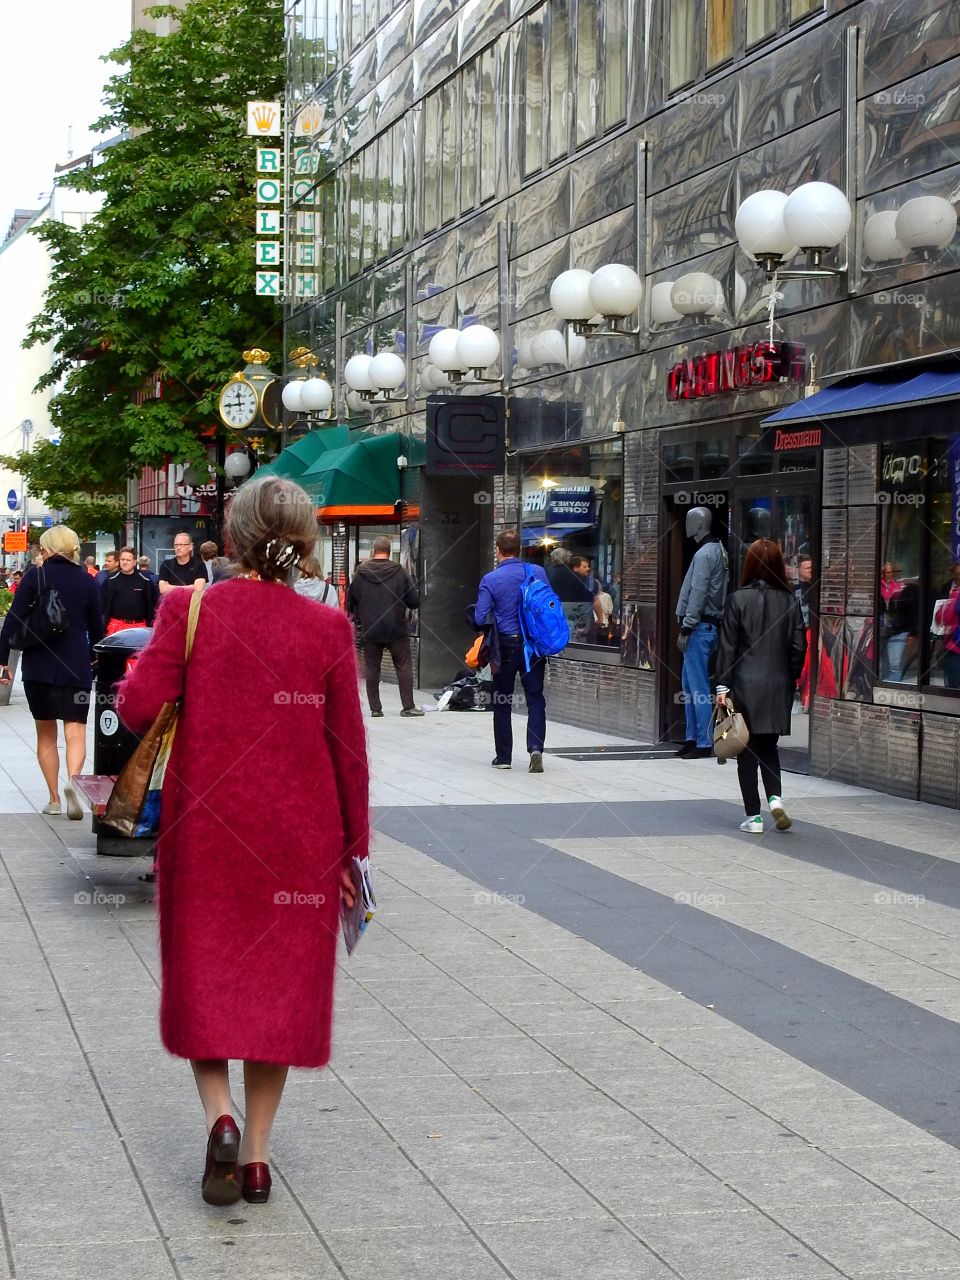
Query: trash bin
x,y
113,743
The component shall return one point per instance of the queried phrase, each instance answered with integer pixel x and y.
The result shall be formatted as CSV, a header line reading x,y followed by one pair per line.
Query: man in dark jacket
x,y
379,596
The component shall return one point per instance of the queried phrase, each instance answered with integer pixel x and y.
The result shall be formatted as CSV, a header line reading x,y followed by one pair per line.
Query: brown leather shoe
x,y
221,1182
256,1182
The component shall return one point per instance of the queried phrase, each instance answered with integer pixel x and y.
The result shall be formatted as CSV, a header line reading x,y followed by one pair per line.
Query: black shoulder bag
x,y
46,620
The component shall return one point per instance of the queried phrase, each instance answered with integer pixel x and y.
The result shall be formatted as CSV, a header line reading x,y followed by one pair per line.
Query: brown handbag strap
x,y
192,615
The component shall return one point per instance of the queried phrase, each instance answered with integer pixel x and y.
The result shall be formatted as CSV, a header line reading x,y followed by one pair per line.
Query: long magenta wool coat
x,y
264,799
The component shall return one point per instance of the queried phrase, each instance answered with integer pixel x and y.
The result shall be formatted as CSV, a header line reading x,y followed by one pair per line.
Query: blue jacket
x,y
67,660
500,595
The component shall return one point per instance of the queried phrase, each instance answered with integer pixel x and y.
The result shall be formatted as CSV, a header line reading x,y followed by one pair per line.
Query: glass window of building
x,y
431,149
943,572
470,128
586,70
355,228
615,39
719,32
572,524
450,151
398,195
761,19
489,115
369,179
558,99
384,193
803,8
682,42
901,495
356,23
533,92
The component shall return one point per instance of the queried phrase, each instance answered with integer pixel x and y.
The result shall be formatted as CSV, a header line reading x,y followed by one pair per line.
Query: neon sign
x,y
760,364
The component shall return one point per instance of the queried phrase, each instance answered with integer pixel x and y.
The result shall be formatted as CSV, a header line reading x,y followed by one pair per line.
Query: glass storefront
x,y
918,581
571,524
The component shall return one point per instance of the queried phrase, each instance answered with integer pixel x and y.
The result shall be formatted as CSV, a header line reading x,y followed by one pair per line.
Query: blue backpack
x,y
542,620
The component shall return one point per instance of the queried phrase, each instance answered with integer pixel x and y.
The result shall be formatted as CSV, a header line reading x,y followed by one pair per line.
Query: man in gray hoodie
x,y
700,613
378,598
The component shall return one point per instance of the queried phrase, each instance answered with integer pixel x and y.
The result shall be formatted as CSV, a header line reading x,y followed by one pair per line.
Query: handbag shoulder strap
x,y
192,615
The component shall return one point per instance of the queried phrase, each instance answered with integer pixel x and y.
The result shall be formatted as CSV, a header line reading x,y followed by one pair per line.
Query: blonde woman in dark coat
x,y
760,655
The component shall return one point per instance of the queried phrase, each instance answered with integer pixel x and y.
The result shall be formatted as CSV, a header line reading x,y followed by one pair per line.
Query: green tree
x,y
156,291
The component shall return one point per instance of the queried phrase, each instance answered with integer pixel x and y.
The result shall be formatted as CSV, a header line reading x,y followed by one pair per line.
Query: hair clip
x,y
286,557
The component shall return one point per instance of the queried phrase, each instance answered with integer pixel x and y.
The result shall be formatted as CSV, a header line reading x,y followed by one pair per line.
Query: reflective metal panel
x,y
609,240
603,181
911,127
904,40
435,59
478,23
542,212
533,274
394,39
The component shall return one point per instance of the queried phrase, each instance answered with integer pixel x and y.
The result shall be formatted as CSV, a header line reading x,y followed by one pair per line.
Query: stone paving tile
x,y
143,1259
291,1257
666,1182
861,1239
790,1175
745,1245
449,1253
97,1209
529,1192
569,1250
392,1196
927,1172
463,1140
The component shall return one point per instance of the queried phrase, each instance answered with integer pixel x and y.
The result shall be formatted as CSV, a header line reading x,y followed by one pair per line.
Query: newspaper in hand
x,y
356,918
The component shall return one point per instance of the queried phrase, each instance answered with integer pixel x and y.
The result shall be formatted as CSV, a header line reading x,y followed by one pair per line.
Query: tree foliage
x,y
156,291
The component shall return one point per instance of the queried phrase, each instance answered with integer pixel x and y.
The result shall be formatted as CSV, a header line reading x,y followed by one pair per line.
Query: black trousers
x,y
760,753
402,664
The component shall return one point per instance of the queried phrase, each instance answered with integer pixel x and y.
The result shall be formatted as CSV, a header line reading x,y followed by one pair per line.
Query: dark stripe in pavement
x,y
890,1051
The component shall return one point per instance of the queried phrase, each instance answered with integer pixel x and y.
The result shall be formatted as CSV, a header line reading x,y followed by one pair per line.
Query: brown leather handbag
x,y
134,805
730,732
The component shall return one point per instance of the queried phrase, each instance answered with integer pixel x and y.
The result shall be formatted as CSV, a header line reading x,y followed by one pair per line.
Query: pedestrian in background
x,y
143,564
498,603
111,564
57,674
760,656
311,583
184,569
699,613
249,909
91,566
378,598
129,598
215,565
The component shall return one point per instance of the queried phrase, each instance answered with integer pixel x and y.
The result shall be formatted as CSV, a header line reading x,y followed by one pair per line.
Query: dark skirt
x,y
57,701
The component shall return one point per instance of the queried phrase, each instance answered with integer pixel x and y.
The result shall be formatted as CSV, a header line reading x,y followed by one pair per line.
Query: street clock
x,y
250,400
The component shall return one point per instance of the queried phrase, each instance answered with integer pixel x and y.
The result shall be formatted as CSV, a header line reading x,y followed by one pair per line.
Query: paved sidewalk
x,y
594,1032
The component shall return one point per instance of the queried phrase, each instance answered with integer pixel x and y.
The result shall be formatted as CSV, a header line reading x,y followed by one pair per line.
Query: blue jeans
x,y
511,666
896,644
695,679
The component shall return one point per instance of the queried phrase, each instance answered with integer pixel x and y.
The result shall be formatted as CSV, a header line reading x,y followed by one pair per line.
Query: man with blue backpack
x,y
523,611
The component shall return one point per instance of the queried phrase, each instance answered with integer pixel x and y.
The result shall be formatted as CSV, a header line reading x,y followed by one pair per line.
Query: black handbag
x,y
46,620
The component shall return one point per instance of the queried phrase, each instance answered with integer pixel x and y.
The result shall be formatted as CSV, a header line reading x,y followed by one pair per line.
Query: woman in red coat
x,y
264,806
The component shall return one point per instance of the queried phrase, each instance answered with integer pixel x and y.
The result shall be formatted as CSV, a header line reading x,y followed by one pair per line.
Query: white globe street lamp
x,y
926,222
478,347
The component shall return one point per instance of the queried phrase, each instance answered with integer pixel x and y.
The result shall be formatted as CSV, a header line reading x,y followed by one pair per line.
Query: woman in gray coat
x,y
760,655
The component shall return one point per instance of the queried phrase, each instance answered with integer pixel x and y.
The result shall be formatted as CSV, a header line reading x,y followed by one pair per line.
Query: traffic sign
x,y
15,541
13,500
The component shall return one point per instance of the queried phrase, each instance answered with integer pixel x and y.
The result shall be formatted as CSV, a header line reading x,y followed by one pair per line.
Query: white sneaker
x,y
74,812
753,826
780,816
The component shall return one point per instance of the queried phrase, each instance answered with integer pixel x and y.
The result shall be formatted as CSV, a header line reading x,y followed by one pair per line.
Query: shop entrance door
x,y
785,511
678,552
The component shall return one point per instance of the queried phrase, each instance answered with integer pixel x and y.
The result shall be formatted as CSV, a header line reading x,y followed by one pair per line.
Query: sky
x,y
53,73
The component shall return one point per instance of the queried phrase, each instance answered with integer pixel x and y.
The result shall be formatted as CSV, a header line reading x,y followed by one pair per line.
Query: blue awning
x,y
871,396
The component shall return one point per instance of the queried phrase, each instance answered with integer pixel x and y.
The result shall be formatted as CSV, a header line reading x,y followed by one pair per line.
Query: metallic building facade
x,y
455,158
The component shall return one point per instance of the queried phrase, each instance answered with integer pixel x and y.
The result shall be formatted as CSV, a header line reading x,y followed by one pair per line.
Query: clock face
x,y
271,406
238,404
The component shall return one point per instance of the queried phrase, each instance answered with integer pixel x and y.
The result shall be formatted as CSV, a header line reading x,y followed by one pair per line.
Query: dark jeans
x,y
761,752
402,664
504,682
951,669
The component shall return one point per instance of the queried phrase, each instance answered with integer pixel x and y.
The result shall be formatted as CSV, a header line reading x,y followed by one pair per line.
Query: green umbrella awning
x,y
294,460
359,482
